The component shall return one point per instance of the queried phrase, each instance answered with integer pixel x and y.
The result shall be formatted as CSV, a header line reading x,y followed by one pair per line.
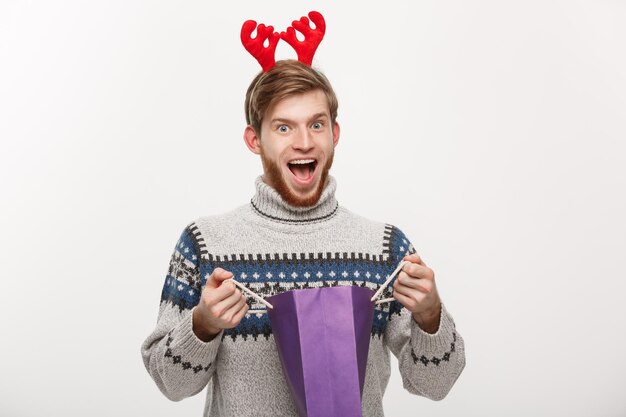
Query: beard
x,y
273,175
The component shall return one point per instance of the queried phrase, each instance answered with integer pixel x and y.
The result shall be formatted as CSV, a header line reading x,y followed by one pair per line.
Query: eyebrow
x,y
287,121
320,116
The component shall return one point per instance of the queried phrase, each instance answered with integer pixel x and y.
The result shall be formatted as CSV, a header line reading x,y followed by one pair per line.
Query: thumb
x,y
217,277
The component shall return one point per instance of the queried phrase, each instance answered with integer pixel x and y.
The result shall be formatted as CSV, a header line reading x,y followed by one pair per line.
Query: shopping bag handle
x,y
251,293
376,294
382,287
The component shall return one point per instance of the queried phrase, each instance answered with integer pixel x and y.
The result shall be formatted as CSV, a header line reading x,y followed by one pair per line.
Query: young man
x,y
292,234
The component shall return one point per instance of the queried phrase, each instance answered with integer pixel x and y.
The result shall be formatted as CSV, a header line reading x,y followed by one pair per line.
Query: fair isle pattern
x,y
444,358
177,359
270,274
198,240
183,283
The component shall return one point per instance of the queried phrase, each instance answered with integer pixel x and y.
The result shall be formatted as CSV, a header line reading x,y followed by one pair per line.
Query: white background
x,y
491,132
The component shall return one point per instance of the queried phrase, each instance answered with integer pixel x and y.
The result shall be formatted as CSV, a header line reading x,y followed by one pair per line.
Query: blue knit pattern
x,y
269,274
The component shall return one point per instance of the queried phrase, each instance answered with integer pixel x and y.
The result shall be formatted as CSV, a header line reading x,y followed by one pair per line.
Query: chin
x,y
296,198
281,180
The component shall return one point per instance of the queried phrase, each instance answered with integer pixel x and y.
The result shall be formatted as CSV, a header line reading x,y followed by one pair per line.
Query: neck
x,y
268,203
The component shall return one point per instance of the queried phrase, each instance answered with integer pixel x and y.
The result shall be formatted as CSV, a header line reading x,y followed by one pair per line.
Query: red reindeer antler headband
x,y
305,49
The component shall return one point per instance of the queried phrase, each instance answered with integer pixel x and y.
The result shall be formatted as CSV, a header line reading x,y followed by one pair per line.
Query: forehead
x,y
299,107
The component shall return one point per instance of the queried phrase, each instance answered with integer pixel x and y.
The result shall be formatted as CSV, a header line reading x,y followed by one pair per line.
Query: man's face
x,y
296,145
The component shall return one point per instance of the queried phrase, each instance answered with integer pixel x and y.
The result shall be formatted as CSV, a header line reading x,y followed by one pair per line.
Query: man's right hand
x,y
221,306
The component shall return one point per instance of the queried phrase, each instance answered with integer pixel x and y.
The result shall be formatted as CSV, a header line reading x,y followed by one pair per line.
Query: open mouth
x,y
302,169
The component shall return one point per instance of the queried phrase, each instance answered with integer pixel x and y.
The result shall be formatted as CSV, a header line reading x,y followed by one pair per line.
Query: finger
x,y
216,295
406,301
415,258
410,293
221,307
418,271
220,275
241,313
230,314
217,276
424,285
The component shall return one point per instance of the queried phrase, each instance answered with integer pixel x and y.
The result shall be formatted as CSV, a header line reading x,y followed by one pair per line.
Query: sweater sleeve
x,y
429,364
179,362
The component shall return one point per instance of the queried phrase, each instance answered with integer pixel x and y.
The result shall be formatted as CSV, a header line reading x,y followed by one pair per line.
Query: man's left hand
x,y
415,289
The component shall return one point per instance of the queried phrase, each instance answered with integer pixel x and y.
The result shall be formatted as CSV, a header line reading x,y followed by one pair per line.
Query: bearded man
x,y
293,234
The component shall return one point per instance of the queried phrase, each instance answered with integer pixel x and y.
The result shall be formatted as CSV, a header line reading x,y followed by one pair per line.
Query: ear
x,y
336,131
253,142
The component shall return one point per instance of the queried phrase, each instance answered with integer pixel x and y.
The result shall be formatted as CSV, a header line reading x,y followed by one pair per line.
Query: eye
x,y
317,125
283,128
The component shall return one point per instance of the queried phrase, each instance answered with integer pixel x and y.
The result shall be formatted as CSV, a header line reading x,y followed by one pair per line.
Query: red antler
x,y
265,55
312,37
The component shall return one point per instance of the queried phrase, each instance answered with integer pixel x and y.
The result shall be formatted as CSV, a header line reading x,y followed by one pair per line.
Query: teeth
x,y
302,161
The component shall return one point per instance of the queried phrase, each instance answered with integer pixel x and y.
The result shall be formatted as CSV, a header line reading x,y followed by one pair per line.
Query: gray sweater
x,y
272,247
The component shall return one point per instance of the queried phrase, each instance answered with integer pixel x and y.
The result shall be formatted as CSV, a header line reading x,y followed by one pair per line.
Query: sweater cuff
x,y
185,341
436,343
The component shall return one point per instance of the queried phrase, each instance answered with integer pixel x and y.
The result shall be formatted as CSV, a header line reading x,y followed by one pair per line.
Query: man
x,y
292,234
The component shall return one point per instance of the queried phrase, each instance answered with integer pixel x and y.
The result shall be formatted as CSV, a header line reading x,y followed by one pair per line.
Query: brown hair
x,y
286,78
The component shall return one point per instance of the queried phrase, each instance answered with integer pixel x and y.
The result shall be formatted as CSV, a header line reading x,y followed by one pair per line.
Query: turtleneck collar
x,y
268,203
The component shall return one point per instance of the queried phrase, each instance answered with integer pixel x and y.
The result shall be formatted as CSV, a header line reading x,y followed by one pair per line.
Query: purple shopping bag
x,y
322,336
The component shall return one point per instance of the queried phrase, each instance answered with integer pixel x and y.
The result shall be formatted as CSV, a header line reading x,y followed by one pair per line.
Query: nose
x,y
303,141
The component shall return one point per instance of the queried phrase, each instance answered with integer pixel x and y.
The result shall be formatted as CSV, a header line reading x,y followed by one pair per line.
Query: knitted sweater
x,y
273,247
